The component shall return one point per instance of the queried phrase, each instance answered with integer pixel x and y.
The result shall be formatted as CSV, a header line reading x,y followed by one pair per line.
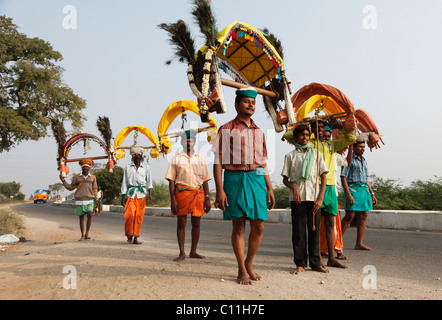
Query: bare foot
x,y
86,237
129,239
195,255
298,270
81,239
320,269
324,254
362,247
334,263
251,271
341,256
181,257
136,241
244,279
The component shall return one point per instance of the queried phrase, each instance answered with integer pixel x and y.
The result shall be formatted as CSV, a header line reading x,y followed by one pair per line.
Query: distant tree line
x,y
10,191
391,195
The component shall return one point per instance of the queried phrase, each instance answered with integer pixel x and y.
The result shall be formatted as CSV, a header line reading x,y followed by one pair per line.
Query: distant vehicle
x,y
40,195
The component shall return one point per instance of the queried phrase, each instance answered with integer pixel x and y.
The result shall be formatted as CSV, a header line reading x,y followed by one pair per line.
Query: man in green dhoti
x,y
246,192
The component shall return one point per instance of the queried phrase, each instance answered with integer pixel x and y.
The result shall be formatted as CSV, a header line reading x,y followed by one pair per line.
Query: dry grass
x,y
11,222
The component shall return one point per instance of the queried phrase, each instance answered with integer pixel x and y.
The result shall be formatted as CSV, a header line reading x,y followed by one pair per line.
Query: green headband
x,y
247,92
188,134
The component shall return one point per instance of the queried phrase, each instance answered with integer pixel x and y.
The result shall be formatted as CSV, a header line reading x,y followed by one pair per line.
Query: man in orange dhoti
x,y
188,177
136,186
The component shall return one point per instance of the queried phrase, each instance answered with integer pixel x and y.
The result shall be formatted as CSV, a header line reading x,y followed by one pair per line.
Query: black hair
x,y
313,123
300,129
239,98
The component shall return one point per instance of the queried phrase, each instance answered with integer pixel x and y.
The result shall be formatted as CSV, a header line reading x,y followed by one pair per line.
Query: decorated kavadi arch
x,y
246,55
63,157
119,148
173,111
317,97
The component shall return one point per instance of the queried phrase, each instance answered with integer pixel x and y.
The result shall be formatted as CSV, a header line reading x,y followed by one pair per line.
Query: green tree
x,y
32,92
427,194
54,189
10,189
110,183
160,194
420,195
282,197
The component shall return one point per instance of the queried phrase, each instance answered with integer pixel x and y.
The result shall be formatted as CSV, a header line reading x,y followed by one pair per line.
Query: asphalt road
x,y
405,254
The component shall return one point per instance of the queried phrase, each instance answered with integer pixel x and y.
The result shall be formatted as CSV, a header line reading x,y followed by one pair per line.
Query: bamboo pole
x,y
92,158
317,172
180,133
143,147
237,85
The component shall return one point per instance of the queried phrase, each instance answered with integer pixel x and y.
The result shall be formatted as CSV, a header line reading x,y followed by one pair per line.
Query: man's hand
x,y
334,123
270,199
207,205
221,200
296,195
350,200
373,198
174,206
317,205
123,200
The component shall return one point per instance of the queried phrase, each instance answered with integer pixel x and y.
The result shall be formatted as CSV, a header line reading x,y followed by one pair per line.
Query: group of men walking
x,y
244,191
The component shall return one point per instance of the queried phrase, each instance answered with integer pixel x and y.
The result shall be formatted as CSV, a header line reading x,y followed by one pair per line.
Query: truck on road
x,y
40,195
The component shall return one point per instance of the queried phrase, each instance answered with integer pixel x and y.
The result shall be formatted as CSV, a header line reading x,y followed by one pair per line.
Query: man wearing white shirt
x,y
136,186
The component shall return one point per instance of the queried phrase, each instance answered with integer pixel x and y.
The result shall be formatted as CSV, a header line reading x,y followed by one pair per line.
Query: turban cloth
x,y
86,162
247,92
137,150
188,134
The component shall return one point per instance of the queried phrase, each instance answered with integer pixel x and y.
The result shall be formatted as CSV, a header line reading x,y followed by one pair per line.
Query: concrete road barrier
x,y
379,219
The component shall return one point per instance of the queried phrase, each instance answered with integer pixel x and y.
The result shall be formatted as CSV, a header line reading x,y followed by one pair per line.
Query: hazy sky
x,y
115,61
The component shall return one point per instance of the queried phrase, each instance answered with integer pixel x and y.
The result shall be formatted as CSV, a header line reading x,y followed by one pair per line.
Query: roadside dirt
x,y
109,268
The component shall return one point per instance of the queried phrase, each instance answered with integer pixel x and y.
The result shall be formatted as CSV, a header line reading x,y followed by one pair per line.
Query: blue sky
x,y
115,61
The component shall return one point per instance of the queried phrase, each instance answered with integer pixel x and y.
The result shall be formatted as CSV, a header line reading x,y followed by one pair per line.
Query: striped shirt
x,y
239,147
188,171
357,172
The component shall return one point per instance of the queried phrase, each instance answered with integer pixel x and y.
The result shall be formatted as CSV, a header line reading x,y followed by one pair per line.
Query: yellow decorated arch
x,y
119,149
327,103
171,113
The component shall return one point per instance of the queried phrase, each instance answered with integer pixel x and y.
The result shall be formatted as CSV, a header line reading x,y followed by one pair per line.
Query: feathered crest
x,y
181,40
103,125
274,41
59,132
206,21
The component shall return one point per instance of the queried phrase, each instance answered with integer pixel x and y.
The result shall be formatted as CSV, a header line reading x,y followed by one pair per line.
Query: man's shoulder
x,y
228,125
